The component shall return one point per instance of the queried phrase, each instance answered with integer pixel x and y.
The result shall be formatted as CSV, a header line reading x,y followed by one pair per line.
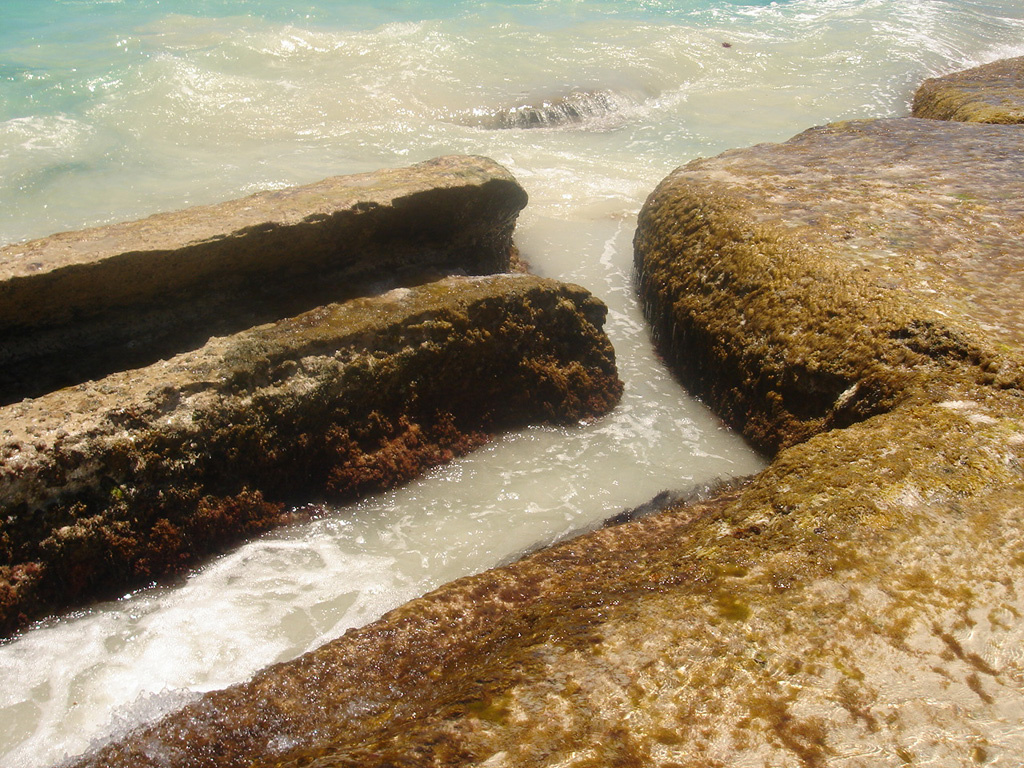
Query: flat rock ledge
x,y
992,93
112,483
79,305
859,603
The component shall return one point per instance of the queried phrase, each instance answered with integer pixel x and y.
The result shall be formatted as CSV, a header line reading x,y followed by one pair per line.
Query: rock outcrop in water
x,y
79,305
992,93
118,481
575,108
797,288
851,300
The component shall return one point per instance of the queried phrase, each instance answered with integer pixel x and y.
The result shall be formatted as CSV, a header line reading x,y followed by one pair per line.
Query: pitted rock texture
x,y
118,481
991,93
79,305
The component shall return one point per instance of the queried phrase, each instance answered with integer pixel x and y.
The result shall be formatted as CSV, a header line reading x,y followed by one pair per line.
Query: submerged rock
x,y
79,305
992,93
859,603
118,481
573,109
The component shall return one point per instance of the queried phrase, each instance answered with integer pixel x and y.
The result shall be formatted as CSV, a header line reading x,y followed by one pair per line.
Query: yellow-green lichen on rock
x,y
991,93
804,285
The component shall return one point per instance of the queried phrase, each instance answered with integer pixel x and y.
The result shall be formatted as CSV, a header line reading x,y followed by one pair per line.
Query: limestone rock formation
x,y
804,285
79,305
992,93
851,300
118,481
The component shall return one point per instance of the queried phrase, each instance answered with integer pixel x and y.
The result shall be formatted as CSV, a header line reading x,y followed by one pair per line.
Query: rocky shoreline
x,y
112,483
850,300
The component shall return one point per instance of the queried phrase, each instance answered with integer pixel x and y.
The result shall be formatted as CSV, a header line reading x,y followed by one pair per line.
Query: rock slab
x,y
991,93
801,286
116,482
79,305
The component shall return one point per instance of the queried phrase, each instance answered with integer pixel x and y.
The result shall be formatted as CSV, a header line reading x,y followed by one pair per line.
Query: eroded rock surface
x,y
79,305
121,480
991,93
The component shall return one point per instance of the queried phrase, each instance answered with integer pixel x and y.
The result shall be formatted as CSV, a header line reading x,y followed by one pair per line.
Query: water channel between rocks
x,y
81,677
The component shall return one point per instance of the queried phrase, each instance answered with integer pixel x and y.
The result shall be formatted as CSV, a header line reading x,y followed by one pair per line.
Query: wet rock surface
x,y
992,93
857,604
850,299
806,285
79,305
116,482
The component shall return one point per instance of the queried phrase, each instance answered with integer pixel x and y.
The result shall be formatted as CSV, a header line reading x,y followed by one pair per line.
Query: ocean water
x,y
114,109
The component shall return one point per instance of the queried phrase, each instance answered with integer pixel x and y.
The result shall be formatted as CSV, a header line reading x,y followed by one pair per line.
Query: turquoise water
x,y
111,110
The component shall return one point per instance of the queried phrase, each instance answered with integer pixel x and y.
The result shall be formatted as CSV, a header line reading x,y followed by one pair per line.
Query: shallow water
x,y
112,110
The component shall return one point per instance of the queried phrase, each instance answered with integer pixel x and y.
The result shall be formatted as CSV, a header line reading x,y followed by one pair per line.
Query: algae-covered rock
x,y
850,299
118,481
992,93
805,285
858,604
82,304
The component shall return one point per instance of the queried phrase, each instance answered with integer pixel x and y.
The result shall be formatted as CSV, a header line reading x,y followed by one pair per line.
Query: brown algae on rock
x,y
119,481
857,625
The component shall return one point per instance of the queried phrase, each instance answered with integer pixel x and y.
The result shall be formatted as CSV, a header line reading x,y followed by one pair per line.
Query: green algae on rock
x,y
991,93
79,305
118,481
805,285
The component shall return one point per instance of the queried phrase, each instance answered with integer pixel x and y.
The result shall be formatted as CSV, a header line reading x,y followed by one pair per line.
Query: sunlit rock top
x,y
992,93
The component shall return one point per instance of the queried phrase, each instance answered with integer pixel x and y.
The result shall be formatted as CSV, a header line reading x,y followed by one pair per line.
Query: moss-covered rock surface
x,y
78,305
115,482
859,604
991,93
849,299
807,285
